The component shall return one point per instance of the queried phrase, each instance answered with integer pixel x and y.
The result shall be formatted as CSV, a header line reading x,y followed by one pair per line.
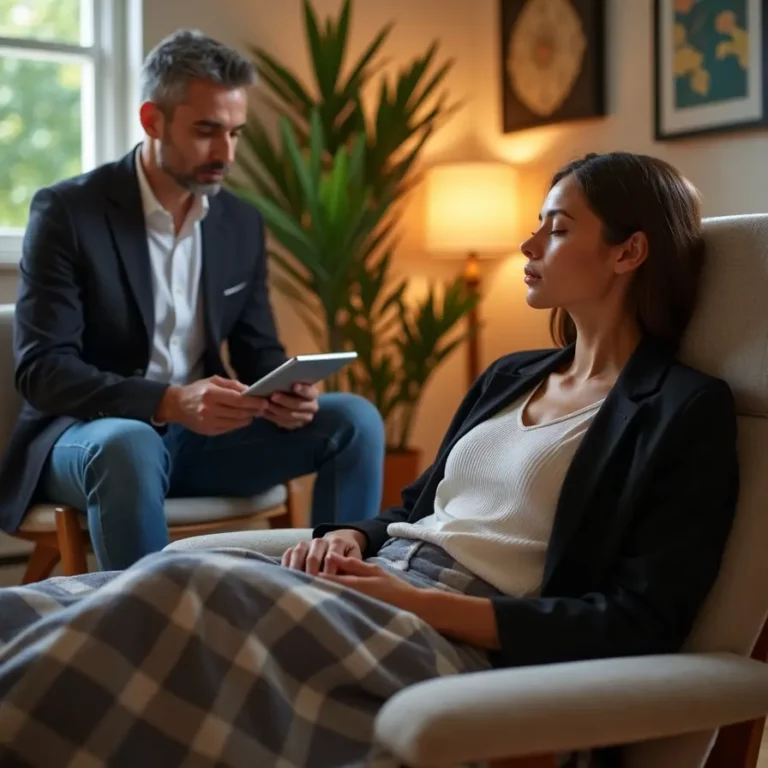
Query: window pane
x,y
40,130
51,20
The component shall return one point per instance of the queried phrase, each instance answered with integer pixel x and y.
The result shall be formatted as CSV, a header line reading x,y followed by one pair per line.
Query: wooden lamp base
x,y
471,277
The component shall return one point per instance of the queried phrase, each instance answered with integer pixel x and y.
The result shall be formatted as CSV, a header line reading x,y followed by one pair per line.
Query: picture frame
x,y
553,66
710,67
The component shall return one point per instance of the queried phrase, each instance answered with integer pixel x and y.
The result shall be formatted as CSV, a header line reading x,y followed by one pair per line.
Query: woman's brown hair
x,y
635,193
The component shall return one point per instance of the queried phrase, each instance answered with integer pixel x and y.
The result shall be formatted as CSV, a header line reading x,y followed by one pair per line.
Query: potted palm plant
x,y
331,185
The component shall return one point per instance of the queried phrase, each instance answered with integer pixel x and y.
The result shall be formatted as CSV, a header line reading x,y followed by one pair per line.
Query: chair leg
x,y
292,517
737,745
71,543
292,506
40,564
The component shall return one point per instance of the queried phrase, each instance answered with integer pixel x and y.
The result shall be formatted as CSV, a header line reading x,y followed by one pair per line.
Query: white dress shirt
x,y
176,262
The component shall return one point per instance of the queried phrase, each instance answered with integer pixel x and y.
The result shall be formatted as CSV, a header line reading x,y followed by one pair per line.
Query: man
x,y
131,278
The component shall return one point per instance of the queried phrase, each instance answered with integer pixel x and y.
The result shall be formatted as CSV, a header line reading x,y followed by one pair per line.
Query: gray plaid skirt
x,y
216,658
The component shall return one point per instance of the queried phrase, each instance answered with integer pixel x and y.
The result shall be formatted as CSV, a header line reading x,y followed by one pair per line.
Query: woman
x,y
578,508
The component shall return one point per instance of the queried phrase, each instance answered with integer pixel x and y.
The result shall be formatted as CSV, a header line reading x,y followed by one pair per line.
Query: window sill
x,y
10,254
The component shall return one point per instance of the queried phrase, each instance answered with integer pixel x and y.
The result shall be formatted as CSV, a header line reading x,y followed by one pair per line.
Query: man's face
x,y
197,140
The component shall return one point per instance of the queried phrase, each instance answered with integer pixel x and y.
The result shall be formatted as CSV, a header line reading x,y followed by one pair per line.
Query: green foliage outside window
x,y
40,122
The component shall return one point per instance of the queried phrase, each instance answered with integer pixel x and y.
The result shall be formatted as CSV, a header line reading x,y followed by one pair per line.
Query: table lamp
x,y
471,212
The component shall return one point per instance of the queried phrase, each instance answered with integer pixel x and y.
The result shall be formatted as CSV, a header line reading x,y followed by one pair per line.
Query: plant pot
x,y
401,468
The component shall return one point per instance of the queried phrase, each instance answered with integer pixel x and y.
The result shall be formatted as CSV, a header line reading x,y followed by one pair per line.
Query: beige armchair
x,y
60,532
665,709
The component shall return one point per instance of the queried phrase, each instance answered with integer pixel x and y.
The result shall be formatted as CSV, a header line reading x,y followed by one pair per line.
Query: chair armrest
x,y
567,707
271,543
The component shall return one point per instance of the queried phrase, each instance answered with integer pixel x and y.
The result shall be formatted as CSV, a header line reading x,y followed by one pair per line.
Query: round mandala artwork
x,y
546,51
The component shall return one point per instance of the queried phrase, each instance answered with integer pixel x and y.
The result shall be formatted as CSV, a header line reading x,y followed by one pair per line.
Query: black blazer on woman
x,y
642,519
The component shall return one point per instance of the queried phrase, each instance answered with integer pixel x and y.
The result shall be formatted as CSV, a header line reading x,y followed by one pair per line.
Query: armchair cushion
x,y
271,543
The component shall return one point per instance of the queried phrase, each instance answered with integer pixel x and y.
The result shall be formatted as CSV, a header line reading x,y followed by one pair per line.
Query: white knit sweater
x,y
495,506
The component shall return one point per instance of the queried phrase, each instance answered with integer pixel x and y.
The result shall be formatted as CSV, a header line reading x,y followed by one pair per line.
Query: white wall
x,y
730,170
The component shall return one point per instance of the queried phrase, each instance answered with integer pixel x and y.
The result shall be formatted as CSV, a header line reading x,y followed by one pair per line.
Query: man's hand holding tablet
x,y
290,391
292,410
302,369
209,407
286,396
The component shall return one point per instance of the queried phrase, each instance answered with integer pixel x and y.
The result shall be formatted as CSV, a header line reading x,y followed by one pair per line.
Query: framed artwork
x,y
711,66
552,61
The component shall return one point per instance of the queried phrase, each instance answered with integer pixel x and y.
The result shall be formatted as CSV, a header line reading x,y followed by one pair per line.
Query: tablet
x,y
302,369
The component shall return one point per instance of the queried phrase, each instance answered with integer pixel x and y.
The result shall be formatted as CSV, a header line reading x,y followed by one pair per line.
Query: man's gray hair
x,y
190,55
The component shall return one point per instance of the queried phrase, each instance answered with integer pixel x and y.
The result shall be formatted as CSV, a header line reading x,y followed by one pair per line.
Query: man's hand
x,y
210,406
313,556
373,580
294,410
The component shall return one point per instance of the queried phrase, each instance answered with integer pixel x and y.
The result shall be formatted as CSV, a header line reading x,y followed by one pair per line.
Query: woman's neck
x,y
602,350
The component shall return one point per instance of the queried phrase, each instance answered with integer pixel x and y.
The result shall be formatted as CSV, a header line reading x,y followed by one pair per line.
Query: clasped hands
x,y
338,557
215,405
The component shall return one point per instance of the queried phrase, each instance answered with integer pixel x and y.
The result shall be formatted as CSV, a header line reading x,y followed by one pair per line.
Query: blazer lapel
x,y
217,250
642,374
585,471
125,218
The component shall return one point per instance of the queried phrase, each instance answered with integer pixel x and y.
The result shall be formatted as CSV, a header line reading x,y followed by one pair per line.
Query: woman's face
x,y
569,265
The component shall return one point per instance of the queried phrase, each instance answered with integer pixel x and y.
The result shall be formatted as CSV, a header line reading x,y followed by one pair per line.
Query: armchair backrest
x,y
728,338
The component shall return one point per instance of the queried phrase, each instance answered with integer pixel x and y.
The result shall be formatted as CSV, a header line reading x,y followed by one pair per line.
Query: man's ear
x,y
152,119
634,251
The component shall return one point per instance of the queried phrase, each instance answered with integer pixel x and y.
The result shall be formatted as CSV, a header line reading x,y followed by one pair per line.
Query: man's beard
x,y
189,180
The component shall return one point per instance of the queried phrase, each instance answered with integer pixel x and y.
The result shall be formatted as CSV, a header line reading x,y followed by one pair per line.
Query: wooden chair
x,y
60,533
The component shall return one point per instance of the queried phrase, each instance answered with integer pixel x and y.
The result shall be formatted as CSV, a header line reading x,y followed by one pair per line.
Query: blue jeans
x,y
119,471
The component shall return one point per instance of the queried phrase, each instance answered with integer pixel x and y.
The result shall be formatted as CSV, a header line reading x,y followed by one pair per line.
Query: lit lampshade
x,y
472,207
471,211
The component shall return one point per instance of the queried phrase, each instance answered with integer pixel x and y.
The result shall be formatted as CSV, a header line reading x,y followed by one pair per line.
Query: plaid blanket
x,y
194,659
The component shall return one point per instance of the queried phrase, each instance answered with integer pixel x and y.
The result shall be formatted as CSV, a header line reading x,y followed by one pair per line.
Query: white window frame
x,y
111,95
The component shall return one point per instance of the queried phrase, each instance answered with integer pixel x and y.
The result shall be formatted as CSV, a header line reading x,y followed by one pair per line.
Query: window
x,y
67,104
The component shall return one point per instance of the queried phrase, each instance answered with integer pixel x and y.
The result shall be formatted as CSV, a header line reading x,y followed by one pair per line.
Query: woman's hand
x,y
460,617
312,556
371,580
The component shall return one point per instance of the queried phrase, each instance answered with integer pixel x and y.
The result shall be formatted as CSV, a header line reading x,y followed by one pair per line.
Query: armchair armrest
x,y
271,543
567,707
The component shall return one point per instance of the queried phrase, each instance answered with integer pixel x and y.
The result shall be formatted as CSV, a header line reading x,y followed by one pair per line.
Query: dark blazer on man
x,y
85,313
642,518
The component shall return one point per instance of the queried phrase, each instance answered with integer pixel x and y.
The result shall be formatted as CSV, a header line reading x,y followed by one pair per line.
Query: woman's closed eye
x,y
555,232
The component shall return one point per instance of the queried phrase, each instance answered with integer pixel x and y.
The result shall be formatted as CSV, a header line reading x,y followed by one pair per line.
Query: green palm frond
x,y
330,184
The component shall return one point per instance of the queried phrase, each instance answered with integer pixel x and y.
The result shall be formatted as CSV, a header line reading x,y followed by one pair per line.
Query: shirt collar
x,y
150,203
